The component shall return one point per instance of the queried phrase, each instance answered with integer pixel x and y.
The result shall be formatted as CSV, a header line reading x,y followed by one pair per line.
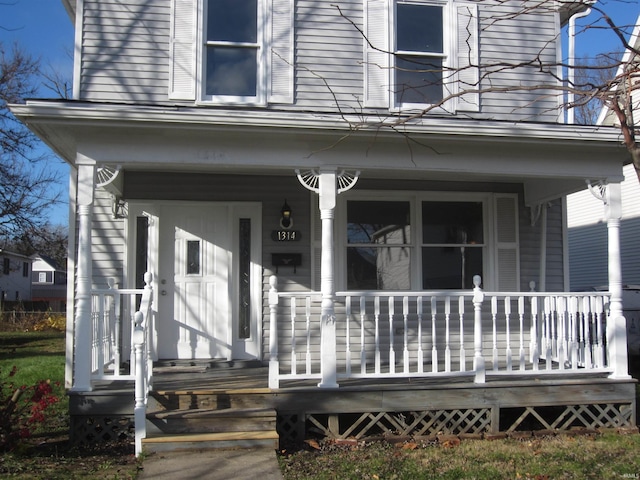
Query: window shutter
x,y
506,243
376,54
280,54
467,48
182,77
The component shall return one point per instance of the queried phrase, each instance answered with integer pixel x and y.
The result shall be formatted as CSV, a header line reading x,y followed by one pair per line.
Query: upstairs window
x,y
233,51
421,54
236,52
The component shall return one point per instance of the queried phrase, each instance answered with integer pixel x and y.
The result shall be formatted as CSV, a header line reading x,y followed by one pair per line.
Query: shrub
x,y
21,409
52,321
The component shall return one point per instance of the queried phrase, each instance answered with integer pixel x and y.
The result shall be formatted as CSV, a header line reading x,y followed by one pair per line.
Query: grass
x,y
561,457
48,454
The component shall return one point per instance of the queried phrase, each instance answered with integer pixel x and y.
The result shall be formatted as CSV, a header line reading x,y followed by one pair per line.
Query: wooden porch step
x,y
208,399
198,441
211,421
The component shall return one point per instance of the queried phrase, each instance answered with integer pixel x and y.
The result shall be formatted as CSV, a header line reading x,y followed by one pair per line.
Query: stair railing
x,y
143,362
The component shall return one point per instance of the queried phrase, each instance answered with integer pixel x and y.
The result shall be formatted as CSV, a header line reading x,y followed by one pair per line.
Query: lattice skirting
x,y
96,429
468,421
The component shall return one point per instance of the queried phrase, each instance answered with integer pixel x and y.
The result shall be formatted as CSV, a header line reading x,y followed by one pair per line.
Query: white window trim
x,y
449,29
261,75
415,199
379,45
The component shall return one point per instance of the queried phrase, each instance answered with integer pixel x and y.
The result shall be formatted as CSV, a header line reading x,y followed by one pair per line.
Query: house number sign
x,y
285,235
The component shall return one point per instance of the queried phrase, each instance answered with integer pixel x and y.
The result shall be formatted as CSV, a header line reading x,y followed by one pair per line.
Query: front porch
x,y
187,395
412,364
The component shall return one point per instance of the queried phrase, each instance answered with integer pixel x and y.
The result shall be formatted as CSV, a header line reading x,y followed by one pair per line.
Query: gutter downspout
x,y
572,61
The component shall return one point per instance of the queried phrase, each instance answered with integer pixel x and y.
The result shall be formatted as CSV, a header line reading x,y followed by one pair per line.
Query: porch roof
x,y
551,160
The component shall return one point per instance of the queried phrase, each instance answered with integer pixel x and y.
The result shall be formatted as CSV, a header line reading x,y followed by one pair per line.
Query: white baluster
x,y
478,356
308,331
376,316
562,340
521,318
574,318
494,321
293,336
601,355
434,348
462,352
586,334
363,350
348,334
507,316
447,334
535,354
420,351
392,353
405,317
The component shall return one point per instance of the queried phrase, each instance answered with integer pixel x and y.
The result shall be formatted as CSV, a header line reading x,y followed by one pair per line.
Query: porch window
x,y
378,245
452,244
426,241
193,257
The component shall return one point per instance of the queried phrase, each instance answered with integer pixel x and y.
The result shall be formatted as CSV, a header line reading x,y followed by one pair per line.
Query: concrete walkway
x,y
214,464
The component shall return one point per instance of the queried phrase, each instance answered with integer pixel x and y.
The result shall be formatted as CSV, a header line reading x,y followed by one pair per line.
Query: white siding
x,y
125,51
107,242
126,56
588,236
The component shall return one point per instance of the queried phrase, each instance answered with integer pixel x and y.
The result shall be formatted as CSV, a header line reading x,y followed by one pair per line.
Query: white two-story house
x,y
360,190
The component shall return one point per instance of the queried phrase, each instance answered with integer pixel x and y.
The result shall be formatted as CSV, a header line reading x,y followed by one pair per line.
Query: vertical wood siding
x,y
125,56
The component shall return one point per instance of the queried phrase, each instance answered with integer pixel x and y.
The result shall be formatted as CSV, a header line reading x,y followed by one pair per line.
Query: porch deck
x,y
406,406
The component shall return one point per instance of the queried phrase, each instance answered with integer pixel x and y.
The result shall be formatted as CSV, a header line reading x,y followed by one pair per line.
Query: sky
x,y
43,29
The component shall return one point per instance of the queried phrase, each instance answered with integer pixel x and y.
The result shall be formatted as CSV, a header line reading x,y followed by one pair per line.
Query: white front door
x,y
203,312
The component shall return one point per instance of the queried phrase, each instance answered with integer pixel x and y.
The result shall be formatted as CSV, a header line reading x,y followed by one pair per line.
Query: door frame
x,y
236,210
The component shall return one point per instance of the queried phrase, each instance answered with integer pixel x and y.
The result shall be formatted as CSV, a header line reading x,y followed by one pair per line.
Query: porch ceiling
x,y
549,160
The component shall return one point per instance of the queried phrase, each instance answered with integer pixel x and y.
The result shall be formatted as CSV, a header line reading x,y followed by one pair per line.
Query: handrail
x,y
384,334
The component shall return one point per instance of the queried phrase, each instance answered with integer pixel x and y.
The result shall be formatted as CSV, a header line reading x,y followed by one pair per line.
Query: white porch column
x,y
327,203
617,324
83,327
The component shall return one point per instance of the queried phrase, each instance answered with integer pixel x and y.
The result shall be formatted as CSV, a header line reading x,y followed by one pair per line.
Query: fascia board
x,y
86,115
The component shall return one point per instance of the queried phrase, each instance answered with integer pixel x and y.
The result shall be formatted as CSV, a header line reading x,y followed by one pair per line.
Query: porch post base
x,y
328,385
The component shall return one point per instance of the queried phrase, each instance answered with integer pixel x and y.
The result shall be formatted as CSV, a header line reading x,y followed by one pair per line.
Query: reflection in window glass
x,y
232,21
453,237
231,71
232,48
419,53
193,257
383,259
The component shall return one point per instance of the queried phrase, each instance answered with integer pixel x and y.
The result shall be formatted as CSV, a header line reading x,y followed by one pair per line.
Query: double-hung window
x,y
421,54
232,52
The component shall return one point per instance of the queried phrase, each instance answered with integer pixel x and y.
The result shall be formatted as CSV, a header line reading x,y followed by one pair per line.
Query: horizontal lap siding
x,y
107,242
328,55
125,51
509,37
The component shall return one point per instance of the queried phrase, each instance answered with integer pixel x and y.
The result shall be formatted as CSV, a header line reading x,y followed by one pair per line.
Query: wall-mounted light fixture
x,y
286,221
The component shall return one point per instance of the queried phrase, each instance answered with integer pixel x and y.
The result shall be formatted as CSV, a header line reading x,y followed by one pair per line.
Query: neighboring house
x,y
15,277
49,283
263,160
587,231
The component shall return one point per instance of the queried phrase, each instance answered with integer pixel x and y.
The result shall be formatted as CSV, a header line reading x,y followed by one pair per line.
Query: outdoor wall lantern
x,y
286,222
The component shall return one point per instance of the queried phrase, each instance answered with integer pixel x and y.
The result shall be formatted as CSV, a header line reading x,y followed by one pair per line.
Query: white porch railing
x,y
452,333
111,336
